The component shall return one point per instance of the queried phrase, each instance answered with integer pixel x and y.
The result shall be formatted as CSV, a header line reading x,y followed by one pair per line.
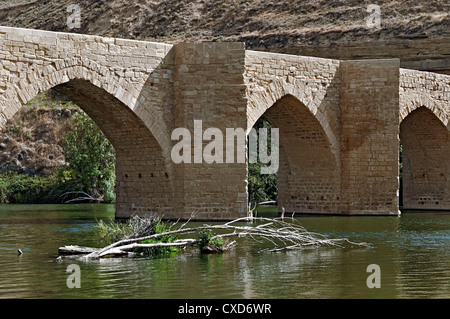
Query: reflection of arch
x,y
308,176
144,175
426,169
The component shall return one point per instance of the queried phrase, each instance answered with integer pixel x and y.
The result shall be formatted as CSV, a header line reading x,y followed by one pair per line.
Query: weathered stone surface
x,y
424,134
339,121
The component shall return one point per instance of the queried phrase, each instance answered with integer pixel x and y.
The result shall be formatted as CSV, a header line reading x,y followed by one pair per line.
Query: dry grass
x,y
33,138
173,21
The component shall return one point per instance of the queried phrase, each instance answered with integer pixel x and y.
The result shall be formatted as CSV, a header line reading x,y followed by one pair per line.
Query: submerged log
x,y
122,250
76,250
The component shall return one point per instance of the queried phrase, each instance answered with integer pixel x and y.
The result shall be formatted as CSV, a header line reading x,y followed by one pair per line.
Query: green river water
x,y
412,252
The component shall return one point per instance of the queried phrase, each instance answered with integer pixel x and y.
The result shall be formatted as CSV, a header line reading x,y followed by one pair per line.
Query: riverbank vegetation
x,y
261,187
52,152
91,158
20,188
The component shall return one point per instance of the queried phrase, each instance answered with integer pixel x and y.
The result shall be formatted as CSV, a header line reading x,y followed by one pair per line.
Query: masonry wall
x,y
143,185
300,96
339,121
424,135
209,87
426,171
313,81
369,136
308,176
123,85
427,89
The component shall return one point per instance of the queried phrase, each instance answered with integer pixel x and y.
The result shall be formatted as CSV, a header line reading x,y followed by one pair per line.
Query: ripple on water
x,y
412,252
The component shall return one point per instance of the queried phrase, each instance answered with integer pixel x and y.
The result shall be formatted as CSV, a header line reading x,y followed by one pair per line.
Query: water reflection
x,y
412,252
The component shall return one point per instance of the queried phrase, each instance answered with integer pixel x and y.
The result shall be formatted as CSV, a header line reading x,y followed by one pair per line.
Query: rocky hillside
x,y
171,20
32,140
415,31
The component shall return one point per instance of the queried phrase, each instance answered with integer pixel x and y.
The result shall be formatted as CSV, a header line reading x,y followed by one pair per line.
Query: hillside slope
x,y
32,140
235,19
414,31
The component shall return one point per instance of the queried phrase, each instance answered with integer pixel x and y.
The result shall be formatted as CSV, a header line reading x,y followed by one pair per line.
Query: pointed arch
x,y
411,101
260,101
425,142
45,77
144,171
308,175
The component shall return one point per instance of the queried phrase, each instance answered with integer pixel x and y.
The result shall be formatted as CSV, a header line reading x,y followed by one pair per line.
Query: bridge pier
x,y
208,90
369,136
339,121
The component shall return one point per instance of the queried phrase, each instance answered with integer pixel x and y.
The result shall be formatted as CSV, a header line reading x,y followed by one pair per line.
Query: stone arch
x,y
308,175
425,143
59,72
260,101
411,101
144,179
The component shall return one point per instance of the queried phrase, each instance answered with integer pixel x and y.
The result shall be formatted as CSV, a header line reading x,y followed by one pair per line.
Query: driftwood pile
x,y
277,234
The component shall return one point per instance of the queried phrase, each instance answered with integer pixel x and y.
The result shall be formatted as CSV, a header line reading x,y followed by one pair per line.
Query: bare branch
x,y
281,234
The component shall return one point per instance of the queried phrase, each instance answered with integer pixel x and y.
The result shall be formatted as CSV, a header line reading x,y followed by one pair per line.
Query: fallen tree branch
x,y
281,234
130,247
75,250
86,197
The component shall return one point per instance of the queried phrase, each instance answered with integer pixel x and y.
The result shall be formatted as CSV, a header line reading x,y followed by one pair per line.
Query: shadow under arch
x,y
309,174
316,102
425,144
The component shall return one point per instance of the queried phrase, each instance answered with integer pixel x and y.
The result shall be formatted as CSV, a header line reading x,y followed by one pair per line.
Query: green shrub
x,y
159,228
17,188
91,157
113,231
207,243
261,187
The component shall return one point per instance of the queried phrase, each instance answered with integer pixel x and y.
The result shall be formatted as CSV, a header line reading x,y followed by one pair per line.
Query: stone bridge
x,y
340,122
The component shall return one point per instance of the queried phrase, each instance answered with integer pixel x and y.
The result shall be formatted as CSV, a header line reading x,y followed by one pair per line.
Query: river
x,y
411,252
